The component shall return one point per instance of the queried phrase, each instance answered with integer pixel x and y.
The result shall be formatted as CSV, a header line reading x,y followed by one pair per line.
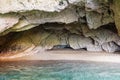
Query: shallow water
x,y
59,70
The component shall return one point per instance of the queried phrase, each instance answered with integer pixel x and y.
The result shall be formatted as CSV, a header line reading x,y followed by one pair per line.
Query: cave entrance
x,y
54,36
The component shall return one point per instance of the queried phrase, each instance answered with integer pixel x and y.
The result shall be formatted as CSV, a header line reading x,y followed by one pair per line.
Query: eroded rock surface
x,y
47,36
116,9
50,24
27,14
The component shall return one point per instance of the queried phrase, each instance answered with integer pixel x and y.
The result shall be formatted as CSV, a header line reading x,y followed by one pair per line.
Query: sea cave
x,y
58,36
77,25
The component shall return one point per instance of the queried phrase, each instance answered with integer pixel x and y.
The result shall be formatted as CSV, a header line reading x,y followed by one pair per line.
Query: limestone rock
x,y
96,5
59,23
94,48
65,16
50,41
100,35
96,20
93,20
7,21
28,20
117,42
116,10
74,28
73,41
97,13
110,47
64,38
18,43
28,5
26,14
37,35
79,42
80,3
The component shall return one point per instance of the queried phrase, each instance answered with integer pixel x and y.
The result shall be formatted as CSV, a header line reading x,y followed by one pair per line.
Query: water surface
x,y
59,70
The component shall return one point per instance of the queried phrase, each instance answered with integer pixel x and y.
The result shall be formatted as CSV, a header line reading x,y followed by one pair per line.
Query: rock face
x,y
47,36
30,13
77,24
110,47
116,10
28,5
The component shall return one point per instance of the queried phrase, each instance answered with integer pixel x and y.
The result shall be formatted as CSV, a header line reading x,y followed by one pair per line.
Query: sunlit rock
x,y
28,5
7,21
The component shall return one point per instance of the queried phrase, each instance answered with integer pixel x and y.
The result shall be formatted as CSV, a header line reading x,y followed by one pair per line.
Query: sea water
x,y
59,70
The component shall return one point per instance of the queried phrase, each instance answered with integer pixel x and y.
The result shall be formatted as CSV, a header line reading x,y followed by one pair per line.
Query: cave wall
x,y
79,24
19,15
116,9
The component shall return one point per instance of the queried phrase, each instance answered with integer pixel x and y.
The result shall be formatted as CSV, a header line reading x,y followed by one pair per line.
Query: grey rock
x,y
100,35
93,19
96,5
110,47
73,41
79,42
94,48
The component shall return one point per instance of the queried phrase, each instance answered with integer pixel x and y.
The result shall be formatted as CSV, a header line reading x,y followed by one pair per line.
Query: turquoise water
x,y
59,70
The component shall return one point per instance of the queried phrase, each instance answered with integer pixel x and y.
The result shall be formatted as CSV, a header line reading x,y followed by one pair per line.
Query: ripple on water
x,y
59,70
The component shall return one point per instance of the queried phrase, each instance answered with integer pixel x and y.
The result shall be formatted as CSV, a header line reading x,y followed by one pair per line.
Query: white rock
x,y
8,21
7,6
110,47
